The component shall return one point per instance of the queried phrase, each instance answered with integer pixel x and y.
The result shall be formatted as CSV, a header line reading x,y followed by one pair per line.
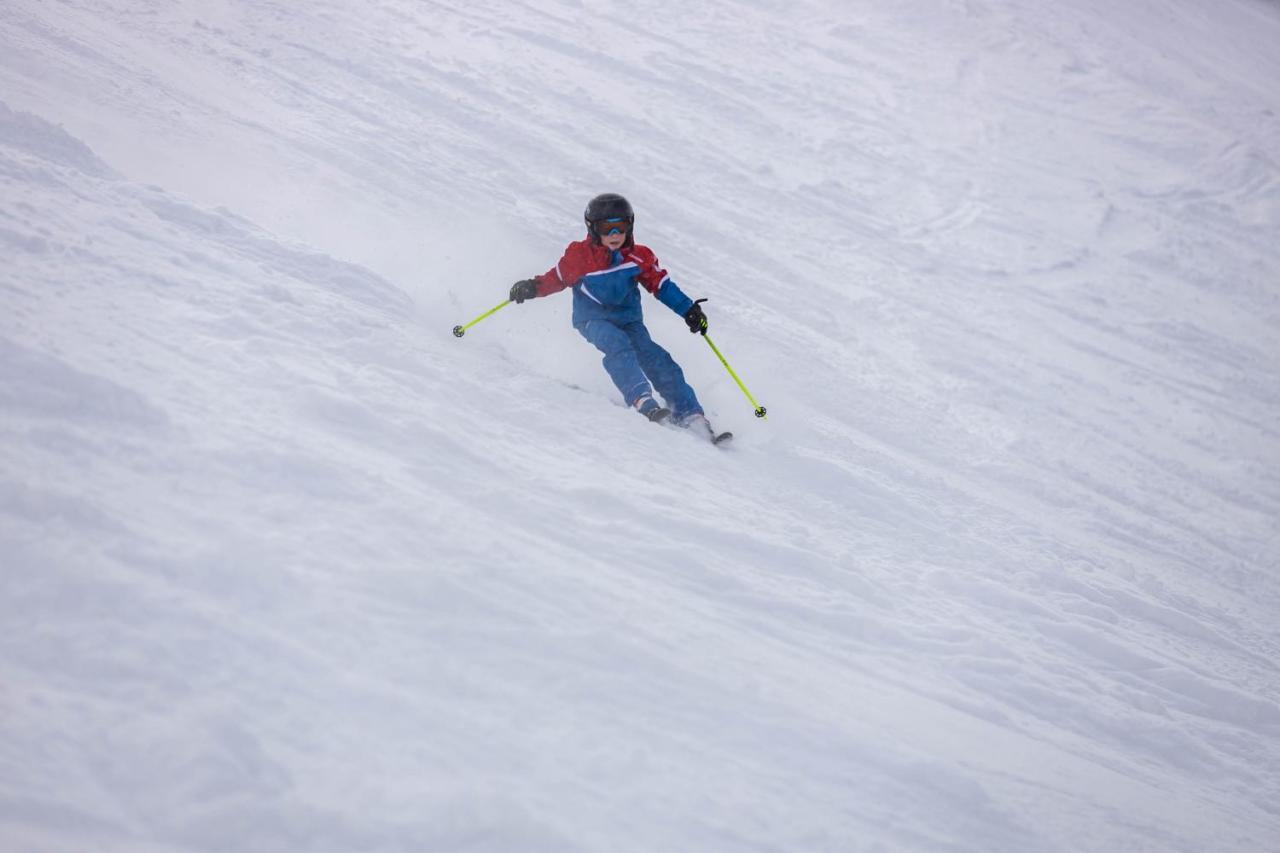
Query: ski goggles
x,y
605,227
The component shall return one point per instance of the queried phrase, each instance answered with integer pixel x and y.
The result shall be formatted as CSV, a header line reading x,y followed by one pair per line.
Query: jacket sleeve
x,y
564,274
656,280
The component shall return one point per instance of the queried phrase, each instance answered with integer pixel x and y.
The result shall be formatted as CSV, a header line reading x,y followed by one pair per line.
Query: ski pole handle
x,y
459,331
761,411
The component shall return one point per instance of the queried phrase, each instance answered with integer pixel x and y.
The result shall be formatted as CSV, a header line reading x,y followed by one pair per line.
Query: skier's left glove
x,y
696,319
524,289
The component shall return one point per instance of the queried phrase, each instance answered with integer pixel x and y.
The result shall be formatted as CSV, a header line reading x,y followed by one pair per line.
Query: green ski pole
x,y
459,331
760,410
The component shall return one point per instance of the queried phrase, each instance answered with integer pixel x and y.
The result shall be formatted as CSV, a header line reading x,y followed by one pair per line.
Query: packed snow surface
x,y
286,566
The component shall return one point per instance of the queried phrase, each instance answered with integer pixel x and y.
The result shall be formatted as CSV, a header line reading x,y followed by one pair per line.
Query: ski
x,y
716,438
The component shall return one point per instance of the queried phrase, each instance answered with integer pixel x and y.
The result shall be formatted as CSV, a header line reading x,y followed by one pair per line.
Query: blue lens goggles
x,y
605,227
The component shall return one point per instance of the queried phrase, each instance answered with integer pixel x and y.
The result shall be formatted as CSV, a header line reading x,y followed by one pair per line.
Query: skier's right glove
x,y
525,289
696,319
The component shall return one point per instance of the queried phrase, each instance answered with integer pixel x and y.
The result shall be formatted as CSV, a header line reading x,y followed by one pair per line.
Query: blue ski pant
x,y
634,361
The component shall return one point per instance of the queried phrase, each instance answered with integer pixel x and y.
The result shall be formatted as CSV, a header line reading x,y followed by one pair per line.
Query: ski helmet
x,y
608,206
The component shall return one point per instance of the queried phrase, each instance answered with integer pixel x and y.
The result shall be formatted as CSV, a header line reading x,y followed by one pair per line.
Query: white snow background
x,y
287,567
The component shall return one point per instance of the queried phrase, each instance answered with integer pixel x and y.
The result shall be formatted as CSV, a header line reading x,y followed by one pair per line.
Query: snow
x,y
286,566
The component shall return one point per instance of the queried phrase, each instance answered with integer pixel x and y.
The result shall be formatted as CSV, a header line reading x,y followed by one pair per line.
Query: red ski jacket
x,y
605,282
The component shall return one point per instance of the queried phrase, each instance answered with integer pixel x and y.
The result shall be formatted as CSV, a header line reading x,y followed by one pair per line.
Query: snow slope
x,y
285,566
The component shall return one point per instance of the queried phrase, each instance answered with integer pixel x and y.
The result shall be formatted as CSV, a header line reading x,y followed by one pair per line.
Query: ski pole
x,y
459,331
760,410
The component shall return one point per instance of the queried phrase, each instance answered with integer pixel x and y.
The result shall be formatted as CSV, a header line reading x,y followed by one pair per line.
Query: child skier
x,y
604,271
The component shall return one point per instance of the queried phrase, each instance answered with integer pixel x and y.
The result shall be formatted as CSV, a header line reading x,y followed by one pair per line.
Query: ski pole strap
x,y
459,331
760,410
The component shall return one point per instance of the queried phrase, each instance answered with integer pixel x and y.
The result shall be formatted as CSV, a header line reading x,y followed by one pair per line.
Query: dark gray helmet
x,y
608,206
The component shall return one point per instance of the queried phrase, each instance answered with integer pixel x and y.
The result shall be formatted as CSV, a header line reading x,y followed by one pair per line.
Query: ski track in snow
x,y
288,567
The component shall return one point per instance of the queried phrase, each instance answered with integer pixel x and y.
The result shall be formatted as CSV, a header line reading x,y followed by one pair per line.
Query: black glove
x,y
696,319
524,289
